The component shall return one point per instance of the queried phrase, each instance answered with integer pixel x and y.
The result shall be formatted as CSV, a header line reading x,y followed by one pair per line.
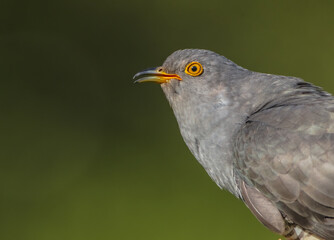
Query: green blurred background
x,y
85,154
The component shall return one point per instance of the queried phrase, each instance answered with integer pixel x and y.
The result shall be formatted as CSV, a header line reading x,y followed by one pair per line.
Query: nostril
x,y
160,70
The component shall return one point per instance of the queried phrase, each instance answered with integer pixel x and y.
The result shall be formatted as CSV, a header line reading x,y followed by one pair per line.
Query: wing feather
x,y
287,153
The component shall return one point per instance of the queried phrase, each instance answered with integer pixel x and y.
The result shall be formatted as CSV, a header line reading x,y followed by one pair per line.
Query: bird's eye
x,y
194,69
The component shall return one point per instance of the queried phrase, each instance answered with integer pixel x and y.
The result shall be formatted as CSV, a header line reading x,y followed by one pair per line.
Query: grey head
x,y
210,105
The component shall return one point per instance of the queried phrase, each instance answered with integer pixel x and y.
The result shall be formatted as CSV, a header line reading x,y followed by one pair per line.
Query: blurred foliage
x,y
87,155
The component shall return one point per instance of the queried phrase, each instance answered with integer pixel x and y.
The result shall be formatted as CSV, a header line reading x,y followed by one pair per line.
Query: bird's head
x,y
195,78
197,83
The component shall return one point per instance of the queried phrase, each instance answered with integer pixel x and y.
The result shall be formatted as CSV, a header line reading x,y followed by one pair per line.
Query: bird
x,y
267,139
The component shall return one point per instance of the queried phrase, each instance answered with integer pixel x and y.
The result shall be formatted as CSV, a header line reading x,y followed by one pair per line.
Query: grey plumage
x,y
268,139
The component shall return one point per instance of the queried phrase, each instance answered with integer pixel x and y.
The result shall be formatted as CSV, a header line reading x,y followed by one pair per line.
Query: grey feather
x,y
263,209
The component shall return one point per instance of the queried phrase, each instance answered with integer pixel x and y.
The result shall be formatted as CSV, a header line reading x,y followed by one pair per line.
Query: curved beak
x,y
155,75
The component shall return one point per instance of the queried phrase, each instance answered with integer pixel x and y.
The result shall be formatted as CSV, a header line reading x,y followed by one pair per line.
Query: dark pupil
x,y
194,68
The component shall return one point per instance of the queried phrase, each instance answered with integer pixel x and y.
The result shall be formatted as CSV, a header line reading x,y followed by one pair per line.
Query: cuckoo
x,y
267,139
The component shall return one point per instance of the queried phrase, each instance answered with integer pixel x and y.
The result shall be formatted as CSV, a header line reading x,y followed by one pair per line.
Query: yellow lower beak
x,y
155,75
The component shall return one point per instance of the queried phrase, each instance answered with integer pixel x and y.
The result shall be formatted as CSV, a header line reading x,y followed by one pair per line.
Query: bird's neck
x,y
214,151
208,129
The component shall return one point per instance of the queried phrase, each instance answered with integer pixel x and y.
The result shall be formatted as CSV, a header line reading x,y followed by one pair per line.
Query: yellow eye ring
x,y
194,69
